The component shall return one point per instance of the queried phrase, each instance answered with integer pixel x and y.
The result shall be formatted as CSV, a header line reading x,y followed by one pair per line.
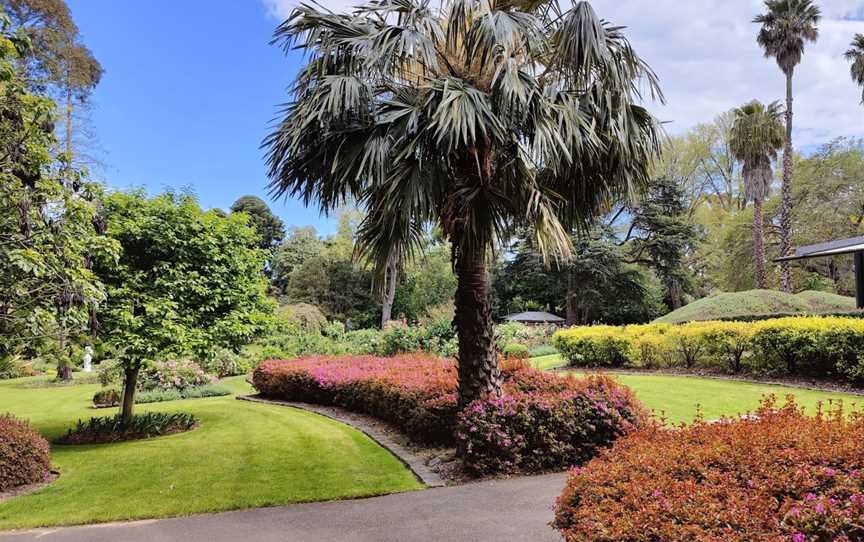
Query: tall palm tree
x,y
786,26
476,116
756,136
855,55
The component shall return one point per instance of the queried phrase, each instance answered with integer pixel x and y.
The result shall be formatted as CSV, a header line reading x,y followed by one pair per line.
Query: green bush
x,y
111,428
173,375
515,351
226,363
824,347
542,350
308,318
106,398
161,396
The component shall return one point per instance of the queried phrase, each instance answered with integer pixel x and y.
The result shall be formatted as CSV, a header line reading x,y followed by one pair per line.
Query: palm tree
x,y
475,116
855,55
756,136
786,27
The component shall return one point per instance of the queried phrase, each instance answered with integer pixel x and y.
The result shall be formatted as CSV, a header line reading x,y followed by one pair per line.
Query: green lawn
x,y
243,455
677,397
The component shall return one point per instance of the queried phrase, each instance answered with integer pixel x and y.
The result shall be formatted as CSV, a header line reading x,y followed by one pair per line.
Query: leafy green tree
x,y
48,293
186,282
270,228
428,282
855,55
661,235
58,62
471,116
340,288
757,135
301,244
786,26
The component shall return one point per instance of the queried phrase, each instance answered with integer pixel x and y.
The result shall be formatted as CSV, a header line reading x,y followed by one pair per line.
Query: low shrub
x,y
827,347
110,428
106,398
515,351
563,421
24,454
515,332
308,318
173,375
10,366
226,363
542,350
111,397
569,419
780,475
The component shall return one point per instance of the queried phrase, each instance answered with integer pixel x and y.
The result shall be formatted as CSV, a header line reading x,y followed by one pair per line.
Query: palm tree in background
x,y
786,26
756,136
855,55
475,116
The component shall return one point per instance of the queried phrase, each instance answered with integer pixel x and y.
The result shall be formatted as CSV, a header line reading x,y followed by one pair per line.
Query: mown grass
x,y
242,455
679,398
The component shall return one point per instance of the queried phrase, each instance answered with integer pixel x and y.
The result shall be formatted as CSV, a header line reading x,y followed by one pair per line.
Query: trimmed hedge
x,y
24,454
542,421
827,347
780,475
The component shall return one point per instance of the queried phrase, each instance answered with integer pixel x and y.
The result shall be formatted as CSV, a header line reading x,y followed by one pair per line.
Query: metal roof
x,y
831,248
533,316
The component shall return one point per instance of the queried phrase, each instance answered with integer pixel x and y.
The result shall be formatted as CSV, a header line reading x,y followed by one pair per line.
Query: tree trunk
x,y
759,244
478,371
570,302
129,384
389,293
786,195
64,369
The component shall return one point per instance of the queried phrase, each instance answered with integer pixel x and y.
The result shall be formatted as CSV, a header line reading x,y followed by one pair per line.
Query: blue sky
x,y
191,85
189,89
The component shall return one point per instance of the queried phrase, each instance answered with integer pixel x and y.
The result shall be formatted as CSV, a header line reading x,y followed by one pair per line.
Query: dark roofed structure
x,y
853,245
533,318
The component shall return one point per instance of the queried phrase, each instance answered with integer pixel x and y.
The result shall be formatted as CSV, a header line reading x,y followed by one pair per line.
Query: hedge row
x,y
542,420
828,347
776,476
24,454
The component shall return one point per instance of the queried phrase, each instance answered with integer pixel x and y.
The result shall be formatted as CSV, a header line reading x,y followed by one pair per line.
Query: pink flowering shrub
x,y
24,454
778,476
542,421
546,422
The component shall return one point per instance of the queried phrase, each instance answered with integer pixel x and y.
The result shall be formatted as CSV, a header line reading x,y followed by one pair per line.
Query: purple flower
x,y
799,537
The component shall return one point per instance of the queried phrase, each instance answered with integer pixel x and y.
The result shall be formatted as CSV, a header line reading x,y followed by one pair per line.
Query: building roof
x,y
533,316
831,248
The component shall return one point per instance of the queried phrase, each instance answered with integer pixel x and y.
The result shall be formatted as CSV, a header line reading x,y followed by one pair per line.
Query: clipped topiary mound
x,y
777,476
24,454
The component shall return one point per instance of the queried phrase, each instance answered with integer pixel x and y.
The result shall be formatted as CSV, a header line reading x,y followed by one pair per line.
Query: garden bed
x,y
111,429
541,422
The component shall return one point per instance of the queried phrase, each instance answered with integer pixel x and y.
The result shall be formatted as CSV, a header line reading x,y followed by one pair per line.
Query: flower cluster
x,y
24,454
562,419
174,375
779,475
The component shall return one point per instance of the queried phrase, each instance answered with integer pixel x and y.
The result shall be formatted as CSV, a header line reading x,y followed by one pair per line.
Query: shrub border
x,y
424,474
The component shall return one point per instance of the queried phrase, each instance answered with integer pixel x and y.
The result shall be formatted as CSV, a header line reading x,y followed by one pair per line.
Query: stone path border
x,y
423,473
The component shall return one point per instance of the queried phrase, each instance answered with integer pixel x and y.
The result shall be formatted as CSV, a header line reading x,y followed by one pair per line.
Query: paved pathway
x,y
518,509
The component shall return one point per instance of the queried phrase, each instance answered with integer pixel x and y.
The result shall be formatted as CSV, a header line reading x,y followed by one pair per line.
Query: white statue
x,y
88,359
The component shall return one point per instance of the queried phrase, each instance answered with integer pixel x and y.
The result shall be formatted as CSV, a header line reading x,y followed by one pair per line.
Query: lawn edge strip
x,y
424,474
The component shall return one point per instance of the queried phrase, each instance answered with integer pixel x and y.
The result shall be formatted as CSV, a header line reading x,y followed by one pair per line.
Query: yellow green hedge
x,y
831,347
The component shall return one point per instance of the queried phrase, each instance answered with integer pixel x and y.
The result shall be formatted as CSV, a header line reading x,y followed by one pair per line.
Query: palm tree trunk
x,y
759,244
786,195
478,371
389,293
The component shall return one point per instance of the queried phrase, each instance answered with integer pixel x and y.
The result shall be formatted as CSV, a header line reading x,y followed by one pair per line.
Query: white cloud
x,y
706,56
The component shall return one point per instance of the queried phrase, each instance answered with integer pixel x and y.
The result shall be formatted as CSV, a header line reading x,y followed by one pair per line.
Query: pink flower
x,y
798,537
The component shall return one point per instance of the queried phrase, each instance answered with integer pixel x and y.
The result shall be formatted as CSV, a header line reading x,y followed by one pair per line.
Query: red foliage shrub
x,y
24,454
417,393
542,421
778,476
